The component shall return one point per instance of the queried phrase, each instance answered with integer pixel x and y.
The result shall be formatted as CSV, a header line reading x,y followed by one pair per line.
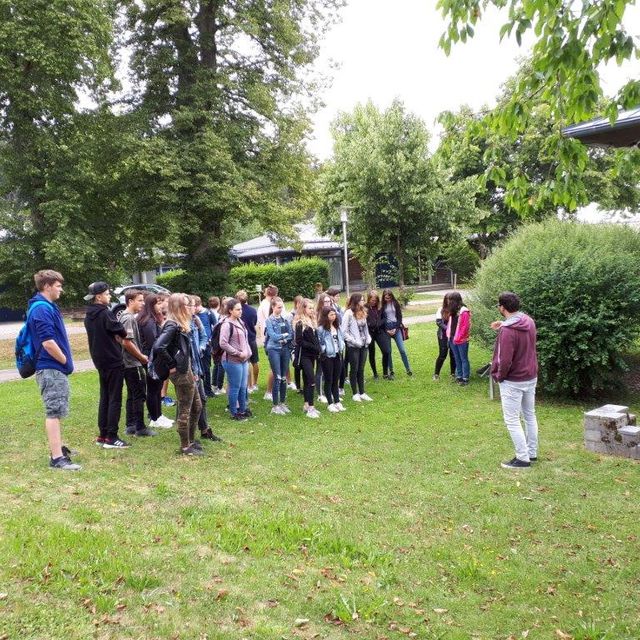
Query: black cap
x,y
96,288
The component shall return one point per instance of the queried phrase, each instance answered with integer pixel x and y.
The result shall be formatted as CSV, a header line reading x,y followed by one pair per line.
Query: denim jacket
x,y
327,344
275,339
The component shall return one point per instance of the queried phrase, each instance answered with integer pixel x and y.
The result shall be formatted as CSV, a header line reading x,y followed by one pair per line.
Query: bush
x,y
293,278
581,284
201,282
405,295
462,260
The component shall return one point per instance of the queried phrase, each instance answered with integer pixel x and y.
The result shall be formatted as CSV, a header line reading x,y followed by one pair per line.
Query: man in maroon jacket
x,y
515,367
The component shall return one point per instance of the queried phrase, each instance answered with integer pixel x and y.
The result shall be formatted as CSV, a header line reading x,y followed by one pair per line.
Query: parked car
x,y
118,305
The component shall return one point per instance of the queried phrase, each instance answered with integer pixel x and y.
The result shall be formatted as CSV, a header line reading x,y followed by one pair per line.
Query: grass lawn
x,y
392,520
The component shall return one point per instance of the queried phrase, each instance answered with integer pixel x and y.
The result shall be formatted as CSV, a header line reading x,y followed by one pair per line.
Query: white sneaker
x,y
285,409
292,386
341,393
277,410
323,399
356,398
251,389
218,392
364,396
161,423
340,406
152,424
268,396
313,413
333,408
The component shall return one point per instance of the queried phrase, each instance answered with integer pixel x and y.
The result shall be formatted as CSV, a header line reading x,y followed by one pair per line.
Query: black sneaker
x,y
409,373
239,417
64,464
191,451
196,444
209,435
145,433
385,376
130,431
515,463
115,443
247,413
392,376
69,452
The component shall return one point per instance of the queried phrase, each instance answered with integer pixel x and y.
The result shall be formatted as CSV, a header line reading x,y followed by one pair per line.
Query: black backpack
x,y
216,350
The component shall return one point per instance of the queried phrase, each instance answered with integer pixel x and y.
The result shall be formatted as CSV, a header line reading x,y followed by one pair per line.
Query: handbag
x,y
405,332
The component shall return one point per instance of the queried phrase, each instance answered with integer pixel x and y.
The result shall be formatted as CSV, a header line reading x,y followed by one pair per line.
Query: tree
x,y
511,170
401,203
572,41
220,82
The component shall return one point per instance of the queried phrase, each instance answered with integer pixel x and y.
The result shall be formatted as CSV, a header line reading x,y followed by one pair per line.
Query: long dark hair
x,y
445,308
148,312
455,303
324,321
388,292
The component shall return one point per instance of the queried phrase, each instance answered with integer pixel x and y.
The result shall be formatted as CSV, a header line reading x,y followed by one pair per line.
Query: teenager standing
x,y
105,335
357,339
54,363
174,347
278,341
307,353
458,330
234,342
150,321
331,348
379,336
393,326
442,319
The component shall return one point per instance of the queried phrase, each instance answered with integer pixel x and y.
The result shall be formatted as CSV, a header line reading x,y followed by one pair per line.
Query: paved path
x,y
8,375
9,330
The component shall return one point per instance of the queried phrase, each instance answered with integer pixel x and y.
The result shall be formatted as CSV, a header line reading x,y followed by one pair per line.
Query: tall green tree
x,y
221,83
49,52
401,202
571,42
511,170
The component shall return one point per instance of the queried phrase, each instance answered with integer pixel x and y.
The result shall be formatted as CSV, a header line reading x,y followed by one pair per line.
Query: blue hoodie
x,y
45,323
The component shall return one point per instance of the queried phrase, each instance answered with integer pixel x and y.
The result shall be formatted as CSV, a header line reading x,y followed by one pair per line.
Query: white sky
x,y
390,49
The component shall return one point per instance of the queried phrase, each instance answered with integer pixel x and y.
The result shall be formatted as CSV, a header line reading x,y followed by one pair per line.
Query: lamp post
x,y
344,218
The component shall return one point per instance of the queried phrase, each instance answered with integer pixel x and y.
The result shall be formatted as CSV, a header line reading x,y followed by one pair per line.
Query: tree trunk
x,y
400,258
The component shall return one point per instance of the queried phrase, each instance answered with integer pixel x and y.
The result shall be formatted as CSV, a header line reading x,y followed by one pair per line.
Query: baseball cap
x,y
96,288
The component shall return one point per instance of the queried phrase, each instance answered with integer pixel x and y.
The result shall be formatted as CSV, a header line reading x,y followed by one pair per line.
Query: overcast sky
x,y
390,49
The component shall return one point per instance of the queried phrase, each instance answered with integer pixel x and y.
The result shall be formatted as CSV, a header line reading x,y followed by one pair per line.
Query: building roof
x,y
625,132
265,245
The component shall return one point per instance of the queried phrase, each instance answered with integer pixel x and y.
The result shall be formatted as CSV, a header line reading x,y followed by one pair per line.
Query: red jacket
x,y
514,355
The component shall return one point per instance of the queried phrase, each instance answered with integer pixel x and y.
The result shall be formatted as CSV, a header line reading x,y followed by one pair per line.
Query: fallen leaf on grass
x,y
222,593
301,622
4,596
441,611
562,635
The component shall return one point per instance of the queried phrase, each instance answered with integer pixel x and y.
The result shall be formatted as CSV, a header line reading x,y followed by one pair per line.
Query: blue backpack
x,y
26,354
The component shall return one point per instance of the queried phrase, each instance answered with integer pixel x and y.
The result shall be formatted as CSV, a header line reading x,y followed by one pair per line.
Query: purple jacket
x,y
514,355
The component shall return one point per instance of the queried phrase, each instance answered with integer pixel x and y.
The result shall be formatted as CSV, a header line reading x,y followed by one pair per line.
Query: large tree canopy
x,y
401,202
572,41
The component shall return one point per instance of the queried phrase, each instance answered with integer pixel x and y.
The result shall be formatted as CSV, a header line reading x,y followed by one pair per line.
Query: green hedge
x,y
292,278
201,282
581,284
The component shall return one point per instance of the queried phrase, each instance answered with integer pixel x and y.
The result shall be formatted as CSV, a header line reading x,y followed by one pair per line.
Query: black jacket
x,y
172,348
375,320
102,329
149,331
307,343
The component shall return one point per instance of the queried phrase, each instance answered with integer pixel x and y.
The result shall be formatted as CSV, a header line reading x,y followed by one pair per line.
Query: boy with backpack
x,y
53,361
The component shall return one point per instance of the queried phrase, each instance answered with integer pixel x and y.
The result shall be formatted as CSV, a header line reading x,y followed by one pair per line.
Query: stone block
x,y
613,408
594,435
605,420
629,430
599,447
632,418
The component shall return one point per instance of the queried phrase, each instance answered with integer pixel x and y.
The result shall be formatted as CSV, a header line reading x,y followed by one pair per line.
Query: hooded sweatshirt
x,y
46,323
102,329
514,356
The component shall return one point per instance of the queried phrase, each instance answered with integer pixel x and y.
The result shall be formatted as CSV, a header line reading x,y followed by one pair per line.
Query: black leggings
x,y
356,357
154,397
331,368
382,340
443,346
307,364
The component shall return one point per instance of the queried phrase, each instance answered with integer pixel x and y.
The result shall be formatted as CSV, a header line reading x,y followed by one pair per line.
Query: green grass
x,y
389,520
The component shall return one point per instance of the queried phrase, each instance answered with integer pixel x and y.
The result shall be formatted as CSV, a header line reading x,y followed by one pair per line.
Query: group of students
x,y
453,320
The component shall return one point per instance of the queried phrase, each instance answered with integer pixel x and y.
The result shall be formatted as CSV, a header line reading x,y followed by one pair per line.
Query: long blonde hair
x,y
178,311
305,318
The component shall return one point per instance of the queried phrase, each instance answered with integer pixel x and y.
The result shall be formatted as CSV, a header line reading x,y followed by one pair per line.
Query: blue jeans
x,y
461,356
279,360
237,377
399,343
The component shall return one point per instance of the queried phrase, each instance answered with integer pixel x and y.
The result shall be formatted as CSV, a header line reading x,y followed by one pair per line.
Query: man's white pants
x,y
520,398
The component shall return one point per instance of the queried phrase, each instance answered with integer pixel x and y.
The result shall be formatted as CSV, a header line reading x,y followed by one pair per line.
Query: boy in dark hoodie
x,y
105,336
515,367
53,362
